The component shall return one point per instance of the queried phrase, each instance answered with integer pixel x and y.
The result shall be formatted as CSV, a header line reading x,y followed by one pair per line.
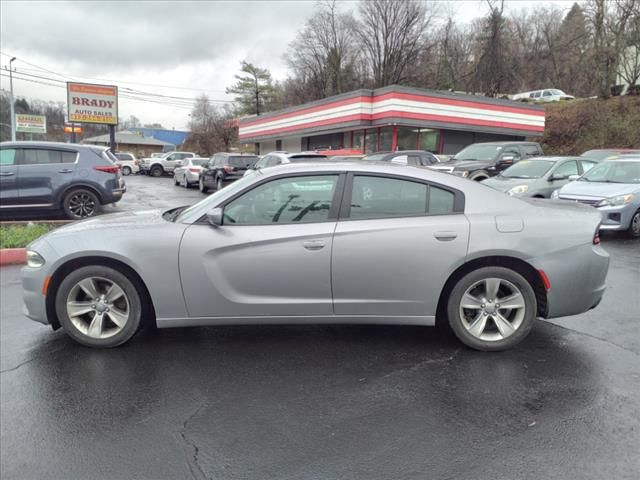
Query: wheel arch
x,y
513,263
148,310
80,186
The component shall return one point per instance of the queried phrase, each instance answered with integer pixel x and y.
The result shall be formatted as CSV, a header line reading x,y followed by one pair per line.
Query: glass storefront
x,y
407,138
358,139
429,140
371,142
386,135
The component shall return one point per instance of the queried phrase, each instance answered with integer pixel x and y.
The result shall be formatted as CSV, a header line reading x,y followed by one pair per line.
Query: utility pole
x,y
13,111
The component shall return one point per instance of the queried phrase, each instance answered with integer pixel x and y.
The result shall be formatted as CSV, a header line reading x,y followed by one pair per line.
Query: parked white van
x,y
547,95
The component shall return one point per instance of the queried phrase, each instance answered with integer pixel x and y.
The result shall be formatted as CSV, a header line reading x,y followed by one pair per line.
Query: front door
x,y
271,256
43,172
395,247
8,178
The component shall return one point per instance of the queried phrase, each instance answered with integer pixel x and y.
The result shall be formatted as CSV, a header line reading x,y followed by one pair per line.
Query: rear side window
x,y
378,197
33,156
7,156
530,150
306,158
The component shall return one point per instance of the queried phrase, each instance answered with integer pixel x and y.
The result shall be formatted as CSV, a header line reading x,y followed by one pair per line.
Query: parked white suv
x,y
547,95
127,162
156,167
277,158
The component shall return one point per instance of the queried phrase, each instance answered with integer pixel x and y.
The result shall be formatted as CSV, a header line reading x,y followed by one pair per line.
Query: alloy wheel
x,y
635,224
82,205
99,308
492,309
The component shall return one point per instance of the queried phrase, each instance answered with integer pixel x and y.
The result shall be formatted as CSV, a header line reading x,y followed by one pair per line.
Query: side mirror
x,y
507,158
573,178
214,216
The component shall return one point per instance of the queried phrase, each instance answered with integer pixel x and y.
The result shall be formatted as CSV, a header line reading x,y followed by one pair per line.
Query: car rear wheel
x,y
492,309
203,188
98,306
634,227
80,203
219,183
175,180
126,171
156,171
184,182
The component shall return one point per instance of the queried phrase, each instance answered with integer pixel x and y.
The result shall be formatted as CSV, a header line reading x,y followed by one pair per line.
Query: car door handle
x,y
6,174
445,236
314,245
65,170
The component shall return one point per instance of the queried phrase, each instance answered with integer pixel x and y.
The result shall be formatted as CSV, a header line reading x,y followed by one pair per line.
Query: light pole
x,y
13,112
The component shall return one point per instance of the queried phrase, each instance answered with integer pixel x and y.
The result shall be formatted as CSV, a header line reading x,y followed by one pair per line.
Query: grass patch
x,y
19,236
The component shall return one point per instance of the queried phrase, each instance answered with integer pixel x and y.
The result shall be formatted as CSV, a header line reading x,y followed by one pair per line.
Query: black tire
x,y
185,182
201,186
634,225
219,183
479,176
526,322
156,171
134,306
175,181
80,203
126,171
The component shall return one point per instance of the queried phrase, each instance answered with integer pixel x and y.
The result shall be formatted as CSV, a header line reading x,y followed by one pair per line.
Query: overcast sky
x,y
159,46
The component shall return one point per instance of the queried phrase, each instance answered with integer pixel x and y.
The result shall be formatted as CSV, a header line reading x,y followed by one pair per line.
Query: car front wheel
x,y
156,171
479,176
492,309
98,306
126,171
634,227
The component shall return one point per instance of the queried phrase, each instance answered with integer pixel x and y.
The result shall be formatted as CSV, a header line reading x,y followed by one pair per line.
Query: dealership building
x,y
393,118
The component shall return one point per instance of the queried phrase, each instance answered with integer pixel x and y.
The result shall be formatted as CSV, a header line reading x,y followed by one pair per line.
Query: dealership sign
x,y
31,123
89,103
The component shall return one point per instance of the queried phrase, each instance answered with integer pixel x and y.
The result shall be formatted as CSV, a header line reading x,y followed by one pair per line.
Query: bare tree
x,y
392,34
212,129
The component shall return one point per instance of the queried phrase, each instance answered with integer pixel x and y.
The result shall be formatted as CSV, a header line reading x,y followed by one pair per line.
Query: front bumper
x,y
33,281
568,296
617,218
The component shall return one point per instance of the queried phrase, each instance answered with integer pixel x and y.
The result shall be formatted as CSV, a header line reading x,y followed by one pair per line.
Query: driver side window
x,y
286,200
566,169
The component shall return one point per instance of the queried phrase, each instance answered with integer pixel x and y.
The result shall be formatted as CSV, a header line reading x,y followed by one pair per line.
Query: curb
x,y
13,256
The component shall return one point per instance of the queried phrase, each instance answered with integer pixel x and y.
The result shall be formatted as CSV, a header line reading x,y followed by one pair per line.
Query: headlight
x,y
34,259
555,194
615,201
461,173
519,190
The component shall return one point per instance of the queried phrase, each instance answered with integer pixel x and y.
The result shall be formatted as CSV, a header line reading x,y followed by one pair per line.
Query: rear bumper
x,y
577,277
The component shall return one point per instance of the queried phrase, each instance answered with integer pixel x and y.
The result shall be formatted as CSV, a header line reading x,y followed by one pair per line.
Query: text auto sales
x,y
92,103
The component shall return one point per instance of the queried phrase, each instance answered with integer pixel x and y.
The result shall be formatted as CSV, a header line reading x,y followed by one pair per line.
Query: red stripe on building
x,y
395,114
395,96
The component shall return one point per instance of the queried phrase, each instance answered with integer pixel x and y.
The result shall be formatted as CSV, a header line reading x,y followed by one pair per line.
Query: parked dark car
x,y
479,161
418,158
609,153
77,179
224,168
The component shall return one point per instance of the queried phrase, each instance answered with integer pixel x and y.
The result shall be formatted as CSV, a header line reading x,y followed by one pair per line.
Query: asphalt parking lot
x,y
324,402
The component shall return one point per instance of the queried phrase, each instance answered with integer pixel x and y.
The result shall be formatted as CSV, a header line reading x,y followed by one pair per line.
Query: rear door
x,y
396,242
8,177
43,172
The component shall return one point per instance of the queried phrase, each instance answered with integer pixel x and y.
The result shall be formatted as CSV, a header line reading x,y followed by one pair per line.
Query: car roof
x,y
624,159
554,158
514,142
398,152
78,146
238,154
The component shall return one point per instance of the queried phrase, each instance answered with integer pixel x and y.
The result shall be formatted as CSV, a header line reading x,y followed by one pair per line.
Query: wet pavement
x,y
325,402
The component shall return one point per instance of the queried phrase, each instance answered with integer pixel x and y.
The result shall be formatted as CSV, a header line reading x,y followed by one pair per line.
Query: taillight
x,y
596,236
194,170
136,162
107,169
228,168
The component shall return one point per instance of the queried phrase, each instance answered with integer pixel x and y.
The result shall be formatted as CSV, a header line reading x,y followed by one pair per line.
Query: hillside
x,y
580,125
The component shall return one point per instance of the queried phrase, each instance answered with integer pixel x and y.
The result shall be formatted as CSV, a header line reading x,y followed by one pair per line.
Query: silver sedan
x,y
188,171
324,243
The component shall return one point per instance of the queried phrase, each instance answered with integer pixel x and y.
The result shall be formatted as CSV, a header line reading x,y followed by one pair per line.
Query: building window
x,y
358,140
386,135
371,141
428,140
278,145
407,138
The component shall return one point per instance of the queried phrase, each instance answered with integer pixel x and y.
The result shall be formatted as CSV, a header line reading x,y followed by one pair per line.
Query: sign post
x,y
31,123
89,103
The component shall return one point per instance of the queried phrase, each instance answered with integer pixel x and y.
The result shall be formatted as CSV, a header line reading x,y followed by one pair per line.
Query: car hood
x,y
598,189
124,220
505,184
464,164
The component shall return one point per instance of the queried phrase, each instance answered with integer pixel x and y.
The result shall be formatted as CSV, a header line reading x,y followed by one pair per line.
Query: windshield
x,y
478,152
613,172
206,204
528,169
200,162
242,162
376,157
